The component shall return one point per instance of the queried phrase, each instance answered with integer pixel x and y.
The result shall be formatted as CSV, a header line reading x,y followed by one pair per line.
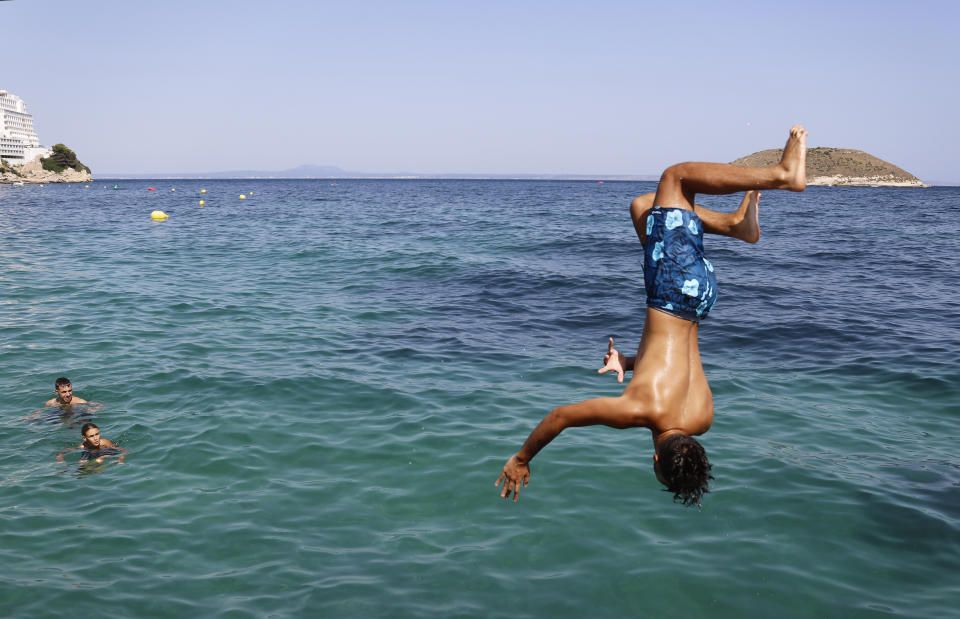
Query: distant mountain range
x,y
325,171
825,166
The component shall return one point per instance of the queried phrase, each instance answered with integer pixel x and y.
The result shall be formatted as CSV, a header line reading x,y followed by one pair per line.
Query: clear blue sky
x,y
482,87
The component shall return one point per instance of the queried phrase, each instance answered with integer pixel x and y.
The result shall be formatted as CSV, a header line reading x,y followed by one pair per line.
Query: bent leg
x,y
680,183
741,224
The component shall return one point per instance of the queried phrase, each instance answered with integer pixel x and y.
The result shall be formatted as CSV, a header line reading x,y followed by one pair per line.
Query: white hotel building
x,y
18,141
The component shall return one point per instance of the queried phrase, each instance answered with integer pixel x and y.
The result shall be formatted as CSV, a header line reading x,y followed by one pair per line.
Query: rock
x,y
888,180
33,172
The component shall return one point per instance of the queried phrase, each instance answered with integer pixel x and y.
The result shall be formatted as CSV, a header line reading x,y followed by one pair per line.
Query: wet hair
x,y
63,380
684,466
87,426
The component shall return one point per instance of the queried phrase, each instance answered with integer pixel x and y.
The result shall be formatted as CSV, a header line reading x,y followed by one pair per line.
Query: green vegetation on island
x,y
840,166
62,166
61,159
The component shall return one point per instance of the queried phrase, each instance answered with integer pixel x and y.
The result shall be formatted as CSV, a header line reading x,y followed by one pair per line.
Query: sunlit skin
x,y
93,443
668,392
743,224
92,440
64,397
65,401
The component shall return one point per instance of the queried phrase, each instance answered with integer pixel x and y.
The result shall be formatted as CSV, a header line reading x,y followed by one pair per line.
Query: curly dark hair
x,y
684,467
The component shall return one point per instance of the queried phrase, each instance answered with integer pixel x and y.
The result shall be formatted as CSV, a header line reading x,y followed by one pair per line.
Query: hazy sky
x,y
482,87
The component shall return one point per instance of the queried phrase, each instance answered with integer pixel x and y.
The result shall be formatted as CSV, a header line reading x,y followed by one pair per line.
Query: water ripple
x,y
319,385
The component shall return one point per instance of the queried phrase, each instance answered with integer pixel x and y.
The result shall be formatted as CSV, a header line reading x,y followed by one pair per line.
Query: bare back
x,y
668,375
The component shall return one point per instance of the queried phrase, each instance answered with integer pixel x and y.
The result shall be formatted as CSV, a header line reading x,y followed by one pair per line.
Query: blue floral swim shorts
x,y
678,278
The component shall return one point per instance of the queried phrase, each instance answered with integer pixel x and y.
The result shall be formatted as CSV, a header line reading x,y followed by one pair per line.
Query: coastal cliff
x,y
841,166
62,166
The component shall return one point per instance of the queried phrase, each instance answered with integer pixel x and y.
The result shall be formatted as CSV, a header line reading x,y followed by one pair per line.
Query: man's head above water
x,y
64,390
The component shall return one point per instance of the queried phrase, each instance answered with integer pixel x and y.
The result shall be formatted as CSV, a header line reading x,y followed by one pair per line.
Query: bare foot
x,y
794,161
747,227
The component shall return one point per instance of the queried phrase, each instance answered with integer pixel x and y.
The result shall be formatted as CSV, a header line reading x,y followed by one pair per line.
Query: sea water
x,y
319,385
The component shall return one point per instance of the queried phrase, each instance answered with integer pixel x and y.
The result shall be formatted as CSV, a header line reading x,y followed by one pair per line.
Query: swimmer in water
x,y
94,448
65,400
64,391
668,392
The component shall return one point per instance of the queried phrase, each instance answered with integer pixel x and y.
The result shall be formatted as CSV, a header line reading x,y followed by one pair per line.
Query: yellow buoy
x,y
203,191
249,193
158,215
172,189
243,197
201,202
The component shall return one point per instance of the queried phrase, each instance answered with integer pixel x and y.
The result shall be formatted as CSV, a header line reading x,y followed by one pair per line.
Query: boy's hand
x,y
613,361
513,473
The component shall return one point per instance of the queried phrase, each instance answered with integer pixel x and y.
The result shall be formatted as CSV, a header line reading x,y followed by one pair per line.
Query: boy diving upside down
x,y
668,392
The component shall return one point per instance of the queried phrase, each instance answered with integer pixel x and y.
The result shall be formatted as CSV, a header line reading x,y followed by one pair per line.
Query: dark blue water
x,y
318,386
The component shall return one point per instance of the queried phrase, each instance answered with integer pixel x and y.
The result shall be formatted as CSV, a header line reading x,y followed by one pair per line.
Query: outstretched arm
x,y
619,412
34,414
68,449
110,444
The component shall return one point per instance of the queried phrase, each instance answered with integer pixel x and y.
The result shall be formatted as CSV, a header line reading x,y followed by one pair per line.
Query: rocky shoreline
x,y
887,180
33,173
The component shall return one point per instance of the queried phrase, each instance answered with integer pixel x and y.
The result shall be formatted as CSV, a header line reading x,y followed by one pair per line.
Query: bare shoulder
x,y
78,400
107,442
50,402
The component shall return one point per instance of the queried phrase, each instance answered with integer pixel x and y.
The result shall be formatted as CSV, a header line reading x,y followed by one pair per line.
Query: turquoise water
x,y
319,385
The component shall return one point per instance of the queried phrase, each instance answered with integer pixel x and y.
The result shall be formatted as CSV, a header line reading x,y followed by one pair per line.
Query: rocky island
x,y
62,166
841,166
